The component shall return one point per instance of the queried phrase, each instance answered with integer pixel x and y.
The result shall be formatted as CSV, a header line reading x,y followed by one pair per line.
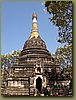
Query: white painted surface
x,y
34,20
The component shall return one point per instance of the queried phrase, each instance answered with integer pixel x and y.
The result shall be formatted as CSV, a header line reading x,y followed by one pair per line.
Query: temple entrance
x,y
39,83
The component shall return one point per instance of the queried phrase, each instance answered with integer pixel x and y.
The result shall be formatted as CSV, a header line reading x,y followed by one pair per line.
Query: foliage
x,y
61,16
8,60
63,56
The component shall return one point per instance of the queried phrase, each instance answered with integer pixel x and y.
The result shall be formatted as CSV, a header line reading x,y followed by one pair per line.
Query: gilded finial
x,y
34,15
34,32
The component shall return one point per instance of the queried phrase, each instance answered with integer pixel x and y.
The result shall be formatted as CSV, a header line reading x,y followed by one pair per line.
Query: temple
x,y
34,62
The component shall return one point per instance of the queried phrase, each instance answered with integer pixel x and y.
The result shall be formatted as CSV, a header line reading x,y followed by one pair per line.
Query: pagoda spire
x,y
34,32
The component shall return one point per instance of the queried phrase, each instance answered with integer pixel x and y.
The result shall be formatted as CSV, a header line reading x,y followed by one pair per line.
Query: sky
x,y
17,25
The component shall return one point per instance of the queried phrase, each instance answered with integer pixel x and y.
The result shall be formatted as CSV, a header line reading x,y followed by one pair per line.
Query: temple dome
x,y
35,43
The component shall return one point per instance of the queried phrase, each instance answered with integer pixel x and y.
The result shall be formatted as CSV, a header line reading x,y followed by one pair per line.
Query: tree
x,y
61,16
8,60
63,56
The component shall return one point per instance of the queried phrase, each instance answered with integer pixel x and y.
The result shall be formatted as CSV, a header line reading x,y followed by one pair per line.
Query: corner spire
x,y
34,32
